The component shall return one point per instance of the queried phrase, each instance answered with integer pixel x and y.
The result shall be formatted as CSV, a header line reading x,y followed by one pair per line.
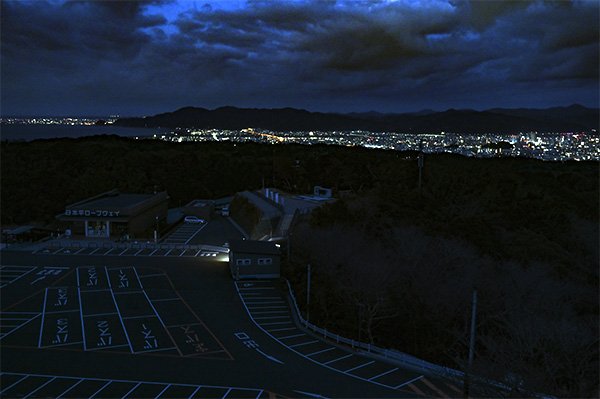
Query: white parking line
x,y
279,322
118,311
43,312
303,343
80,249
38,388
139,317
101,314
323,351
161,392
292,336
91,253
152,253
264,302
13,384
359,367
382,374
158,350
196,233
136,254
168,252
339,358
69,389
101,388
272,317
267,307
271,311
408,382
131,390
282,329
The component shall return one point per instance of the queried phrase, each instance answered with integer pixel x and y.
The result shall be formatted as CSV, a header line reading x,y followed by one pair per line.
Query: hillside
x,y
391,265
573,118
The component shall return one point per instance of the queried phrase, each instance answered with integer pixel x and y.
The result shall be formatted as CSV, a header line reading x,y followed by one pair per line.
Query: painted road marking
x,y
339,358
303,343
272,317
359,367
382,374
43,315
279,322
3,272
292,336
38,388
323,351
69,389
163,391
106,383
156,312
26,321
408,382
81,312
118,311
13,384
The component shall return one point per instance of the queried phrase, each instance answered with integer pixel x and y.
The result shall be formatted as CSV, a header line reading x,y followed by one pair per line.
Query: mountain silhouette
x,y
574,118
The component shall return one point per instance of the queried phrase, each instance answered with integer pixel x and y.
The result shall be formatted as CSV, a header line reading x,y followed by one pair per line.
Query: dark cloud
x,y
126,57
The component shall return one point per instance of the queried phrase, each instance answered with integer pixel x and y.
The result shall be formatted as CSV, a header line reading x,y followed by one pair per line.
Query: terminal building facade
x,y
113,215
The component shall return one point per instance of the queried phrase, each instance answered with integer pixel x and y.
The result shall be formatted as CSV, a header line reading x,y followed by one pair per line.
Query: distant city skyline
x,y
147,57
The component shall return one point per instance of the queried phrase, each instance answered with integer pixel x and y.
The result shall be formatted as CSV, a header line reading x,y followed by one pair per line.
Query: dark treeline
x,y
557,119
392,265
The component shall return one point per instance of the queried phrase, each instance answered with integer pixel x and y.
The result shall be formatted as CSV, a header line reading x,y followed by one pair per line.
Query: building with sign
x,y
114,214
254,259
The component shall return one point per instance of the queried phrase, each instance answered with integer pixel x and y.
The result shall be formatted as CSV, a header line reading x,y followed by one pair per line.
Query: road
x,y
131,326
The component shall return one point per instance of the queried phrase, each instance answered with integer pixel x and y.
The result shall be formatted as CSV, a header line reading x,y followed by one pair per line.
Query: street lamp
x,y
156,230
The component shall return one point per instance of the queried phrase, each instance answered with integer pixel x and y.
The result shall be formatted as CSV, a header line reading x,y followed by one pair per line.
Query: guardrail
x,y
399,357
404,358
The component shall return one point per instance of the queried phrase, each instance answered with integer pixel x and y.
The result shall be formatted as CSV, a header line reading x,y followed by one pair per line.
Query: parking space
x,y
28,275
123,310
15,385
270,312
184,233
10,274
118,251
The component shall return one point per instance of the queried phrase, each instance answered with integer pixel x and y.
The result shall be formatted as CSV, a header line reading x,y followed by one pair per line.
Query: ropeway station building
x,y
113,214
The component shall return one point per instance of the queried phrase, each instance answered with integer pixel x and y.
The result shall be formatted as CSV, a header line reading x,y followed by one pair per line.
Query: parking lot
x,y
124,310
15,385
184,233
120,326
126,251
270,311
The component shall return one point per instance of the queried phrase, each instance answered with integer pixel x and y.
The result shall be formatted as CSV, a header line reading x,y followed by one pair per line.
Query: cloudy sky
x,y
140,58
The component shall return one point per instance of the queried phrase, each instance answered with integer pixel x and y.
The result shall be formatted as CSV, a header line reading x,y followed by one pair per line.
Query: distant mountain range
x,y
574,118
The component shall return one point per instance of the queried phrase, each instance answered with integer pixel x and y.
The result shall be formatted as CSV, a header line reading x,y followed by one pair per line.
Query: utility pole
x,y
420,163
471,343
308,293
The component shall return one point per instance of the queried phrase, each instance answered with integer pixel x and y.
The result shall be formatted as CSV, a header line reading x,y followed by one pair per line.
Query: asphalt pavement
x,y
155,326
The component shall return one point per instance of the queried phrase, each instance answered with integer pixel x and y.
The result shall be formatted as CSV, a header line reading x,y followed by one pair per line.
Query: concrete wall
x,y
254,270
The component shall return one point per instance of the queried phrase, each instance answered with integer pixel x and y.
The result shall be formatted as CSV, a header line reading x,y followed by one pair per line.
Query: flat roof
x,y
113,201
253,247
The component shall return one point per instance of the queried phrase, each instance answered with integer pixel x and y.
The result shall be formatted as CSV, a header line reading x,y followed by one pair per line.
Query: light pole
x,y
308,293
471,344
156,230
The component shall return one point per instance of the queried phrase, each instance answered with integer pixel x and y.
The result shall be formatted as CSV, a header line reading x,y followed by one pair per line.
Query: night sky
x,y
141,58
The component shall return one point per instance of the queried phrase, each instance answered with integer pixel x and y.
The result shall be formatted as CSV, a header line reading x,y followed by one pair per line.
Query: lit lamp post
x,y
156,230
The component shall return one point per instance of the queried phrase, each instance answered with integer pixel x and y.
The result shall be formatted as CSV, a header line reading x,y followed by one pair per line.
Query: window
x,y
265,261
242,262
